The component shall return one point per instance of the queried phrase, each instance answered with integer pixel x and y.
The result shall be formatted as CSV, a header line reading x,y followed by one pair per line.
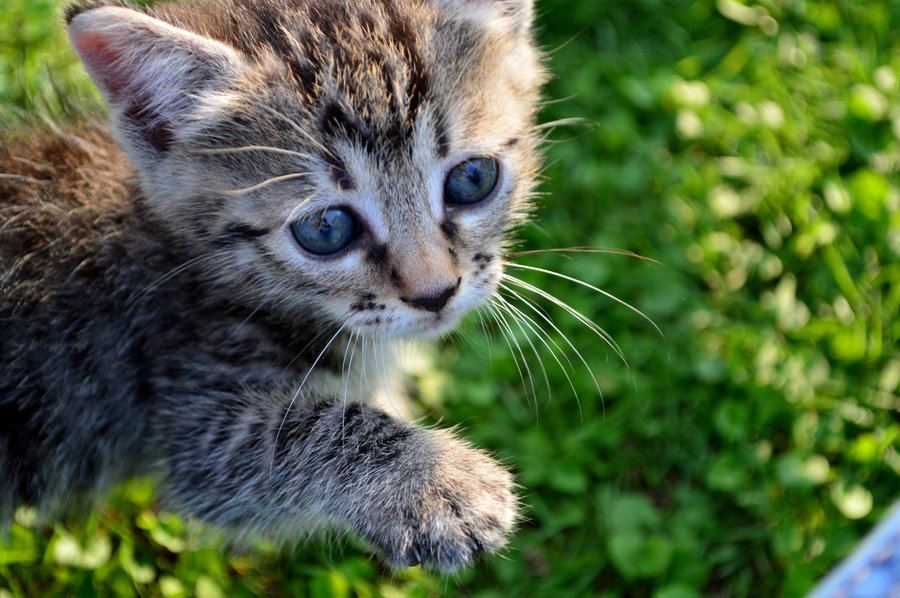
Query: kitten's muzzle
x,y
434,302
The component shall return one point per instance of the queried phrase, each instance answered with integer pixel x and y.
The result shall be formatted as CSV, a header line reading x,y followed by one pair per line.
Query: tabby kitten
x,y
298,176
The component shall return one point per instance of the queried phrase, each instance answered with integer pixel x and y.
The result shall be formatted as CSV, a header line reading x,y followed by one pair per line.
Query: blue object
x,y
326,233
471,181
872,570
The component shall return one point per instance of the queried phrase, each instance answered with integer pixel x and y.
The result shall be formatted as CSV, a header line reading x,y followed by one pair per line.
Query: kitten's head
x,y
354,161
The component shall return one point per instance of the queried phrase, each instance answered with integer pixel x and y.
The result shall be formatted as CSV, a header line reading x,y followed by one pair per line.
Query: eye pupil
x,y
326,232
471,181
473,174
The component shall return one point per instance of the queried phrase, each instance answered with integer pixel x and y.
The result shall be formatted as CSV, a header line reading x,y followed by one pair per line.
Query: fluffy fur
x,y
157,314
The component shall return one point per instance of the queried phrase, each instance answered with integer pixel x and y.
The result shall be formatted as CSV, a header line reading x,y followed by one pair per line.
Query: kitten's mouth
x,y
430,327
401,322
438,325
420,328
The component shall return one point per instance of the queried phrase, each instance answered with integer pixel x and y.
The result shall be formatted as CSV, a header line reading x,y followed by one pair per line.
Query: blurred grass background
x,y
753,149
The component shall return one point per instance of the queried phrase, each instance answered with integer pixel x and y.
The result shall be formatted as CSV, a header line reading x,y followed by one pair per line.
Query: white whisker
x,y
566,250
363,375
344,371
491,308
540,312
323,330
542,336
487,336
562,122
589,286
269,181
387,384
504,305
253,148
572,311
303,132
354,338
256,309
300,388
510,334
396,359
380,370
169,275
537,309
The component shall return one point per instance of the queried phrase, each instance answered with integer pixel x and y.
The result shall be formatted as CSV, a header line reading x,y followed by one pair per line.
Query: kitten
x,y
297,175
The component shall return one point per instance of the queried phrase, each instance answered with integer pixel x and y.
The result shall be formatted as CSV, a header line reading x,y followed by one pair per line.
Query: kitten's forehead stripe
x,y
405,39
442,139
335,120
387,75
295,50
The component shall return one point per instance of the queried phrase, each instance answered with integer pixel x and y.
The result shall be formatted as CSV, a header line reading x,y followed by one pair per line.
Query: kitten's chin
x,y
434,328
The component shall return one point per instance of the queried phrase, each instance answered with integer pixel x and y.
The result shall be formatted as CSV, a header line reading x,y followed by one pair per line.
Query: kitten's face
x,y
361,164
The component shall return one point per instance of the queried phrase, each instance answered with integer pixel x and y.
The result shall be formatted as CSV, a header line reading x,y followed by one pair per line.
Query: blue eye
x,y
471,181
326,232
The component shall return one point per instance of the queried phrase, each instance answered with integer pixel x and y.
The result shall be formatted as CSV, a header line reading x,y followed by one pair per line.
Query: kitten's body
x,y
160,317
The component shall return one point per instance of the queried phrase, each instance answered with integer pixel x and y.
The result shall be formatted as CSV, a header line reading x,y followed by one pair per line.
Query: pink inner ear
x,y
104,61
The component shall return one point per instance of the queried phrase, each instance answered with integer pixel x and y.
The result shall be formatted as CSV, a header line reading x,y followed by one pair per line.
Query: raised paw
x,y
464,507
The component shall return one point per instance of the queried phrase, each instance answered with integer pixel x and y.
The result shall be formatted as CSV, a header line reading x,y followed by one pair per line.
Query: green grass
x,y
752,150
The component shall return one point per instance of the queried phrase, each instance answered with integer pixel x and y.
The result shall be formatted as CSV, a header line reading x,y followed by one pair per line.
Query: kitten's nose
x,y
434,302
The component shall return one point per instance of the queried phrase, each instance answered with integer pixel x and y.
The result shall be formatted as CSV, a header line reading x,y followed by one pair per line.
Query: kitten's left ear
x,y
150,73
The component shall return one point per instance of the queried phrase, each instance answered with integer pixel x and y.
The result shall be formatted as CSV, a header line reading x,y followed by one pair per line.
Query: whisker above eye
x,y
296,127
269,181
252,148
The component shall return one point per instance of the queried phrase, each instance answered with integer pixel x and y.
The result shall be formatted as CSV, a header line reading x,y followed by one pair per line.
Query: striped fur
x,y
158,316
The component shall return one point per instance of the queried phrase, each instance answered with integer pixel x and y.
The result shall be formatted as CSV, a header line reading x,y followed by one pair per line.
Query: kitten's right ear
x,y
150,73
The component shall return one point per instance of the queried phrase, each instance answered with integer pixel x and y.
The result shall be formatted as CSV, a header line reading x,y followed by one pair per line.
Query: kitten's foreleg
x,y
419,495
